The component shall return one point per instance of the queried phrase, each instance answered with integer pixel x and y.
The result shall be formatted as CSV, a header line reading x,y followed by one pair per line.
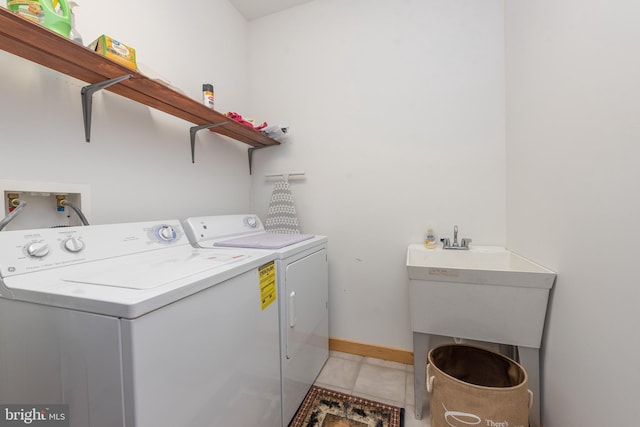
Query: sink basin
x,y
480,264
486,293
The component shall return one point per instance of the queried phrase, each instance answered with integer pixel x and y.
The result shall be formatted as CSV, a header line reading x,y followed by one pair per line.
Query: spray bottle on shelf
x,y
74,34
207,95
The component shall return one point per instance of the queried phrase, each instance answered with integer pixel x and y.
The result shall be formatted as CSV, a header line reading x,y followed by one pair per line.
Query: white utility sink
x,y
486,293
480,264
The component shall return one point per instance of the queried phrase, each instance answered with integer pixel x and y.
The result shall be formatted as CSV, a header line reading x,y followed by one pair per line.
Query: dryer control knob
x,y
166,233
251,221
37,249
73,244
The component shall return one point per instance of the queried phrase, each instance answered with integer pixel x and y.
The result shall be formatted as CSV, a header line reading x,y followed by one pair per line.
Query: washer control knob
x,y
37,249
73,244
166,233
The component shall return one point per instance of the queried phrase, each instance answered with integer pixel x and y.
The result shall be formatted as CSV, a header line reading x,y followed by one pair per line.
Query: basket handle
x,y
430,378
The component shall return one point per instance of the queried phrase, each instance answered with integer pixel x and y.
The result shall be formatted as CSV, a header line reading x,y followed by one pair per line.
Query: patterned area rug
x,y
327,408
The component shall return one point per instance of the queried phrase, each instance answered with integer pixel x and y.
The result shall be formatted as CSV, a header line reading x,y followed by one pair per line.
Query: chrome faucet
x,y
446,242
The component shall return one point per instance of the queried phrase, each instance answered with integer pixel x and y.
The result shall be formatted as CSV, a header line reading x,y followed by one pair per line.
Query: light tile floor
x,y
375,379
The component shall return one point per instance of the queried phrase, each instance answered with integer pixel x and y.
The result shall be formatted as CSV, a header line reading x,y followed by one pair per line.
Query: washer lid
x,y
149,270
136,284
265,241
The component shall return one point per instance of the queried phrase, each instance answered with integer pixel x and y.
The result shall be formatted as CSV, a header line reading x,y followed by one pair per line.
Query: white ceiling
x,y
253,9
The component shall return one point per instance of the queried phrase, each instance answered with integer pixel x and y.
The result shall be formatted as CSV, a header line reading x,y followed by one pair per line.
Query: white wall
x,y
138,163
397,116
573,126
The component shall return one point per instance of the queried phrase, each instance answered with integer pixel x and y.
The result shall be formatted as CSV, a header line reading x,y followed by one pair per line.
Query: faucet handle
x,y
465,242
445,242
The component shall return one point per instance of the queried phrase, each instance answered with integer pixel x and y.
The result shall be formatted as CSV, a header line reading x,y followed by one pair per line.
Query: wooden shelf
x,y
38,44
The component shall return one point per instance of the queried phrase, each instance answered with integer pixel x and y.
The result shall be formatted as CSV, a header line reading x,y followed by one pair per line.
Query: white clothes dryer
x,y
131,326
301,266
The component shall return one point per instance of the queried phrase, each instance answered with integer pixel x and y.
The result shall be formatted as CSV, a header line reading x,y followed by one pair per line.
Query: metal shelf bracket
x,y
192,133
87,97
250,153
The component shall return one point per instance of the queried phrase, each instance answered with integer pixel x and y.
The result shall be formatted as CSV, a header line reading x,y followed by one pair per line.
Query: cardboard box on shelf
x,y
115,50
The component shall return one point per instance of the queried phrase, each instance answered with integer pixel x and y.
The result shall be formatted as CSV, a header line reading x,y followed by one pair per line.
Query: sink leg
x,y
420,348
530,360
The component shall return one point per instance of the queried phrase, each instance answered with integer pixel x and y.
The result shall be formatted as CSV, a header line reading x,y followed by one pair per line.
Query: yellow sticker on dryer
x,y
267,284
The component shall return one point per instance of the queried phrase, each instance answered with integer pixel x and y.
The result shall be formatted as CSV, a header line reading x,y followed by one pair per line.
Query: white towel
x,y
281,216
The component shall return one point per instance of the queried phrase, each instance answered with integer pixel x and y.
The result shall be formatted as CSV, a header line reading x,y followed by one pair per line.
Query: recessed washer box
x,y
41,210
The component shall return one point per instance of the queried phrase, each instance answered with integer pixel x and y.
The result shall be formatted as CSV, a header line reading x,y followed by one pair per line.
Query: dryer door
x,y
305,326
306,283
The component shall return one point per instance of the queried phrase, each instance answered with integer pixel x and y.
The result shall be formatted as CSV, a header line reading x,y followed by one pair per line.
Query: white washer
x,y
303,293
131,326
